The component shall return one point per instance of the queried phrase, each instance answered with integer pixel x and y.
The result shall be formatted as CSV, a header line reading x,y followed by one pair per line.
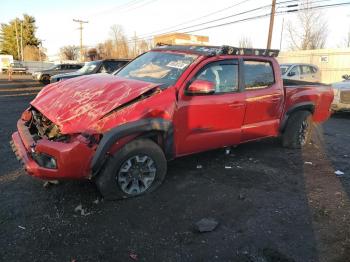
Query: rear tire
x,y
138,168
298,130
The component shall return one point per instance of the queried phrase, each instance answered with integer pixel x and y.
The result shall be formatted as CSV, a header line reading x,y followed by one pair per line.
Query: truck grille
x,y
345,97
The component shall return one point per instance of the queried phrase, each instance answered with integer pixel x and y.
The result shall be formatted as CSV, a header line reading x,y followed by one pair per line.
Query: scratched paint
x,y
76,105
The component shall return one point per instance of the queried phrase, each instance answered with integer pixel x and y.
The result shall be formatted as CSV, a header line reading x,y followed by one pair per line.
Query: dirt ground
x,y
272,204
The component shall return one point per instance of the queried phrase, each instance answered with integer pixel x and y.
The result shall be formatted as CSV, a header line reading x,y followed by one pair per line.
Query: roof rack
x,y
218,50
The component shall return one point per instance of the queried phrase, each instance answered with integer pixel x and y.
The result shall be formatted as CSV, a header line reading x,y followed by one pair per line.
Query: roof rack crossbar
x,y
220,50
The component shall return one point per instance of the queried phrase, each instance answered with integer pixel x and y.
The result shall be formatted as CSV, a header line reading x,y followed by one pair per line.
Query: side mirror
x,y
291,74
200,87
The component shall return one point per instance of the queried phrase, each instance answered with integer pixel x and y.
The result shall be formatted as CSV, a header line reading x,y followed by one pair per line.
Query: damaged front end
x,y
41,127
47,153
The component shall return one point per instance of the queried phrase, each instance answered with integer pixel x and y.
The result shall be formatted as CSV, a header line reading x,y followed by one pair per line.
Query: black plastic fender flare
x,y
144,125
307,106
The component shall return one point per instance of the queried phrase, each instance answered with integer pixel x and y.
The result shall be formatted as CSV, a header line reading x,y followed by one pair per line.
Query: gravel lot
x,y
272,204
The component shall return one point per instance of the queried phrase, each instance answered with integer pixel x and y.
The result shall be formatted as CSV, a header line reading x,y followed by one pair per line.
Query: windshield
x,y
284,68
88,68
157,67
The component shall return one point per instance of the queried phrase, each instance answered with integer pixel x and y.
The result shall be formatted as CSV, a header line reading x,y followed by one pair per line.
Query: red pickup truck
x,y
120,130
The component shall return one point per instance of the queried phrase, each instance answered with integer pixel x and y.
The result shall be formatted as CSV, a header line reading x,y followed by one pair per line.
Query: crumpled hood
x,y
75,105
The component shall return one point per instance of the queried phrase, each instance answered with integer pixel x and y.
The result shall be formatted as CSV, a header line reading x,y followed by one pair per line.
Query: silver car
x,y
302,72
44,76
341,90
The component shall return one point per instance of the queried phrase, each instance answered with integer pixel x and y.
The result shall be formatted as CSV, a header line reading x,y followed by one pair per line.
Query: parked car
x,y
341,90
17,68
120,130
303,72
94,67
44,76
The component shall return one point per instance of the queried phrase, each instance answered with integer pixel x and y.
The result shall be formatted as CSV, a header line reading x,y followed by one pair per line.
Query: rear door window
x,y
306,70
258,75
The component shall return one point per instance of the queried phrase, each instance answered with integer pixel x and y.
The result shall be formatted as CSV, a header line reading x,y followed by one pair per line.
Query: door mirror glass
x,y
201,87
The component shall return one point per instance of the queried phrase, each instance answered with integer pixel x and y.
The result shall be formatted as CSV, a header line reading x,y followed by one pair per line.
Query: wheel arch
x,y
156,129
304,106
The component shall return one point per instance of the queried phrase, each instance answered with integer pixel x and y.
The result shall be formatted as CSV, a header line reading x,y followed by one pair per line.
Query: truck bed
x,y
318,96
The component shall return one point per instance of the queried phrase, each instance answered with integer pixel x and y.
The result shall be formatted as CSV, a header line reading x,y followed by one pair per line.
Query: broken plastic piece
x,y
339,173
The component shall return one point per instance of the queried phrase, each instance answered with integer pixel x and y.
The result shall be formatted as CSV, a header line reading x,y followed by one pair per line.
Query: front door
x,y
205,122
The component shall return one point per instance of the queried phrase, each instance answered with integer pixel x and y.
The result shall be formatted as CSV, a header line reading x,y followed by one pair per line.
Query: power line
x,y
264,15
139,6
219,19
198,18
247,19
132,5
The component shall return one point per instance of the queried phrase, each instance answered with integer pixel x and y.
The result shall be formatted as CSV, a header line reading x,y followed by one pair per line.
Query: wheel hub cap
x,y
136,174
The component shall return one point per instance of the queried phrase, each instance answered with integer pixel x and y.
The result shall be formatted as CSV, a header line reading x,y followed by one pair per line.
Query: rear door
x,y
264,99
205,122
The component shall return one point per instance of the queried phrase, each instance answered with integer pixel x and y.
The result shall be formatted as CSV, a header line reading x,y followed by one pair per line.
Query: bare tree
x,y
120,43
309,30
347,39
69,52
245,42
142,46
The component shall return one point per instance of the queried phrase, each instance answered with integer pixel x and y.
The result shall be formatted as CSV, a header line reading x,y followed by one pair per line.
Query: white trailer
x,y
5,61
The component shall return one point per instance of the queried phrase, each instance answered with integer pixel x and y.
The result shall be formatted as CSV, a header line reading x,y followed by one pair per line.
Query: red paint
x,y
201,122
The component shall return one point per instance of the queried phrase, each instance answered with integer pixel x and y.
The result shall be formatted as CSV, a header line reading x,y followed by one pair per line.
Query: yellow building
x,y
333,63
181,39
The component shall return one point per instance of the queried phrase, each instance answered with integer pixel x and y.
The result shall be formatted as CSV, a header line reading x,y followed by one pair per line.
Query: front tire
x,y
298,130
138,168
45,79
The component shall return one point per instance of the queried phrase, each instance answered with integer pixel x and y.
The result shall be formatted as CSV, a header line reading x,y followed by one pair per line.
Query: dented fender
x,y
140,126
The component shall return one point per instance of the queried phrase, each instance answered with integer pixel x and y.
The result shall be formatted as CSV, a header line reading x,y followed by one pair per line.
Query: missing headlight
x,y
45,160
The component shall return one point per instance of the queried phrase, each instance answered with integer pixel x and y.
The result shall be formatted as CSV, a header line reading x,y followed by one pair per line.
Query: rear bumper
x,y
73,158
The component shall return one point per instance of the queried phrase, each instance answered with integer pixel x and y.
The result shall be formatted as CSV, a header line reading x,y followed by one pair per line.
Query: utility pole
x,y
81,22
22,56
18,54
272,18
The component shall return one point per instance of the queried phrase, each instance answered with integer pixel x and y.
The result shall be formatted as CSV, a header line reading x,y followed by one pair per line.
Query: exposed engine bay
x,y
41,127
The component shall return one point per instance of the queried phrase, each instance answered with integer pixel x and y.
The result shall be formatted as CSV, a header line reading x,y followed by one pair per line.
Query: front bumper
x,y
73,158
36,76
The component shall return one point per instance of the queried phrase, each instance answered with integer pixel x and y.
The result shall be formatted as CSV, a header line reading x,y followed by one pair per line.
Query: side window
x,y
306,70
295,71
313,69
223,74
258,75
110,66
